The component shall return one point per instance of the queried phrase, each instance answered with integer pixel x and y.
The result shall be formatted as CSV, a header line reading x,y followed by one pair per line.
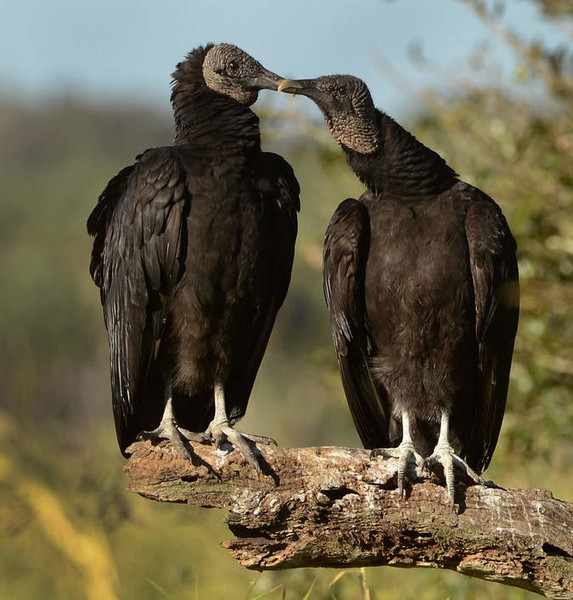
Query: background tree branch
x,y
334,507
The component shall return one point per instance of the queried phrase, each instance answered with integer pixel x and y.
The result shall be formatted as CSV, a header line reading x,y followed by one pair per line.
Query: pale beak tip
x,y
286,84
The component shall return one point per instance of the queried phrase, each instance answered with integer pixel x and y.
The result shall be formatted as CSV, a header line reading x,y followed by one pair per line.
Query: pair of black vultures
x,y
193,252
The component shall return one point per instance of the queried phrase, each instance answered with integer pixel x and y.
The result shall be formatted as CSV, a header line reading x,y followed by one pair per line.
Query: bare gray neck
x,y
401,166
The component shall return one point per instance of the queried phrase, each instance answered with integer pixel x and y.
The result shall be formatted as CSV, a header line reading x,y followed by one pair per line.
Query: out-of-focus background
x,y
84,87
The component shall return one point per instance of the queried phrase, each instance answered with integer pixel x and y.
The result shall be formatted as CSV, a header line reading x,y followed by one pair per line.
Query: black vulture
x,y
420,276
193,253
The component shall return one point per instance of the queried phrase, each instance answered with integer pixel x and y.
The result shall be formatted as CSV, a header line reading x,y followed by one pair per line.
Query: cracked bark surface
x,y
335,507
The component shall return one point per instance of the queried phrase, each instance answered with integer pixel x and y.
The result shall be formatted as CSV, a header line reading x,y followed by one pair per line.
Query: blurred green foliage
x,y
67,527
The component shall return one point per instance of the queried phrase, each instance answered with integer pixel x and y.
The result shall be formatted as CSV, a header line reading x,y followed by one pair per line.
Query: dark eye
x,y
342,89
233,66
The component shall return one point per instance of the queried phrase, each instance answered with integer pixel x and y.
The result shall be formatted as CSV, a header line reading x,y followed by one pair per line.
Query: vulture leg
x,y
220,430
445,456
405,452
169,430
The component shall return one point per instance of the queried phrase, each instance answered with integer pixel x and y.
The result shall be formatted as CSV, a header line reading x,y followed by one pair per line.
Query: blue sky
x,y
107,49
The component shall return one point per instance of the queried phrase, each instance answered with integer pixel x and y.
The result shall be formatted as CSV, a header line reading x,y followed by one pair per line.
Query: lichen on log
x,y
337,507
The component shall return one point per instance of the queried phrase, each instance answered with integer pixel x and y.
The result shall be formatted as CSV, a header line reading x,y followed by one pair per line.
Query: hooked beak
x,y
304,87
266,80
289,86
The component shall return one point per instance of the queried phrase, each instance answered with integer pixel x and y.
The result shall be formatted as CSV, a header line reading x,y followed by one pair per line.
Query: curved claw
x,y
220,429
243,442
445,456
239,441
169,430
406,455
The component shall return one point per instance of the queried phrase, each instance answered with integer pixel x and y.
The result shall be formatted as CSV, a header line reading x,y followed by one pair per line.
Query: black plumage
x,y
193,252
420,276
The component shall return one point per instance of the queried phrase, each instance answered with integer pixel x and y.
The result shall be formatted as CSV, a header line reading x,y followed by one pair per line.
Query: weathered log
x,y
335,507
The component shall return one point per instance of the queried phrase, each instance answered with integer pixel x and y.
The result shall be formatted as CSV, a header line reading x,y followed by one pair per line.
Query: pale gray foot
x,y
169,430
220,430
445,456
405,453
408,460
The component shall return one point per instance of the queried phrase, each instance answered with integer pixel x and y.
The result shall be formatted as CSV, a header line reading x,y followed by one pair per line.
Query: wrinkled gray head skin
x,y
231,71
347,107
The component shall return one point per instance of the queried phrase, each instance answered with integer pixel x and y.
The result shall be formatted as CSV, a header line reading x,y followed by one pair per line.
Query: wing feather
x,y
493,265
137,260
276,180
345,254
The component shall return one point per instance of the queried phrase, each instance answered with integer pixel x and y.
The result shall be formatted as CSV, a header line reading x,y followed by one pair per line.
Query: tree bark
x,y
336,507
